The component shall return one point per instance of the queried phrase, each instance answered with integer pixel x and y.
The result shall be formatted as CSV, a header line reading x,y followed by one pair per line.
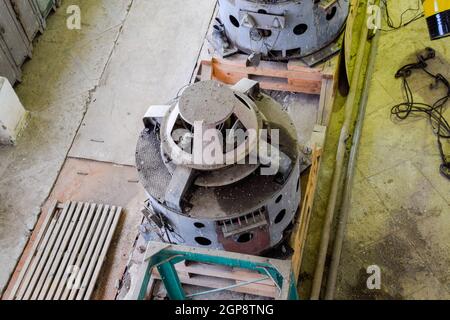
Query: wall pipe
x,y
347,193
340,158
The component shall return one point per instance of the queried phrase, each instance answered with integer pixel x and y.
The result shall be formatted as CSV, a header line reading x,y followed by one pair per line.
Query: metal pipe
x,y
340,156
347,193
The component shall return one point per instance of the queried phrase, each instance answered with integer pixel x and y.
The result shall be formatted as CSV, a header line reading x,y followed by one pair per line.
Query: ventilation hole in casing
x,y
280,197
234,21
245,237
331,14
203,241
280,216
199,225
300,29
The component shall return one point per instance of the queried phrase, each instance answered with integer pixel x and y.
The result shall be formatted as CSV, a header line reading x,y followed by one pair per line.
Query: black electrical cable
x,y
434,112
418,14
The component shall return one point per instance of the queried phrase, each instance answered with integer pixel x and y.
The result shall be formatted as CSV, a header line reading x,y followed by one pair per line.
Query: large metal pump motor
x,y
279,29
246,199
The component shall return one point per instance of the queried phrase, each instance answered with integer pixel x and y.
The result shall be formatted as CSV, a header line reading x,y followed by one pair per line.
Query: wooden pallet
x,y
68,253
293,76
216,277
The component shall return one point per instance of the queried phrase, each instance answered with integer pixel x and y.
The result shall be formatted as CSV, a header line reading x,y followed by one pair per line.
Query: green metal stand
x,y
164,257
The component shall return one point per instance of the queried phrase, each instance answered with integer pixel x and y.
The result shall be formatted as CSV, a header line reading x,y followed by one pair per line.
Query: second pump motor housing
x,y
244,204
282,29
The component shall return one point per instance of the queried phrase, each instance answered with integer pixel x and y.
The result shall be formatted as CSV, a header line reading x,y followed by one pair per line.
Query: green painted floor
x,y
400,212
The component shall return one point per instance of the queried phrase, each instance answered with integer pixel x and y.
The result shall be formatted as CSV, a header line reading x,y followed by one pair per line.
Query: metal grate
x,y
68,253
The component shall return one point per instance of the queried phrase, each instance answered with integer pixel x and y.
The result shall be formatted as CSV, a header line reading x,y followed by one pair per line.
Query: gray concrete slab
x,y
154,58
57,85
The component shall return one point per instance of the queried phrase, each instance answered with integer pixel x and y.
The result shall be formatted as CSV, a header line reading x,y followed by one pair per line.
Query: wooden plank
x,y
137,279
95,254
265,68
271,75
79,233
322,101
44,228
300,232
206,71
326,101
44,266
102,257
221,272
90,250
218,283
61,251
69,255
42,254
64,288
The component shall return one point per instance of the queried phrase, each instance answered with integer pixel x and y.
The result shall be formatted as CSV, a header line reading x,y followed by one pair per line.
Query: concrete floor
x,y
57,87
400,212
109,68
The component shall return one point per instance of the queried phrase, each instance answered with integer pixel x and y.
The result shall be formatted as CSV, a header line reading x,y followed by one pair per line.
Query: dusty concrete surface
x,y
101,183
127,55
66,67
400,213
155,57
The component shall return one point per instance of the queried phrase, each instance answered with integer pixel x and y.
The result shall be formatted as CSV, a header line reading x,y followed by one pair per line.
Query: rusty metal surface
x,y
233,207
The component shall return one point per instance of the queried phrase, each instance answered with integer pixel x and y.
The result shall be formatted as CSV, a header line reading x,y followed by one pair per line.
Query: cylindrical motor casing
x,y
236,208
279,211
281,29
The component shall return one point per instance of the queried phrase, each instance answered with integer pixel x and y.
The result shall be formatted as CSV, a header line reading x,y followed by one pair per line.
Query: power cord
x,y
434,112
418,14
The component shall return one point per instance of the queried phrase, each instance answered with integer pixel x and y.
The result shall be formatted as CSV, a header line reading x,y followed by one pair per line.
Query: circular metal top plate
x,y
207,101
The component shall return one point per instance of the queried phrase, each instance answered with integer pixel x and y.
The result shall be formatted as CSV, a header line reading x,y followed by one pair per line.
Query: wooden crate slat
x,y
218,276
298,239
221,272
90,250
96,253
37,257
78,252
102,257
73,234
218,283
70,291
81,227
44,266
293,76
25,292
270,69
42,232
61,250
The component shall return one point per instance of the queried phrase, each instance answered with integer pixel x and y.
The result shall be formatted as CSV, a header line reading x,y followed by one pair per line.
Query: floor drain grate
x,y
68,253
